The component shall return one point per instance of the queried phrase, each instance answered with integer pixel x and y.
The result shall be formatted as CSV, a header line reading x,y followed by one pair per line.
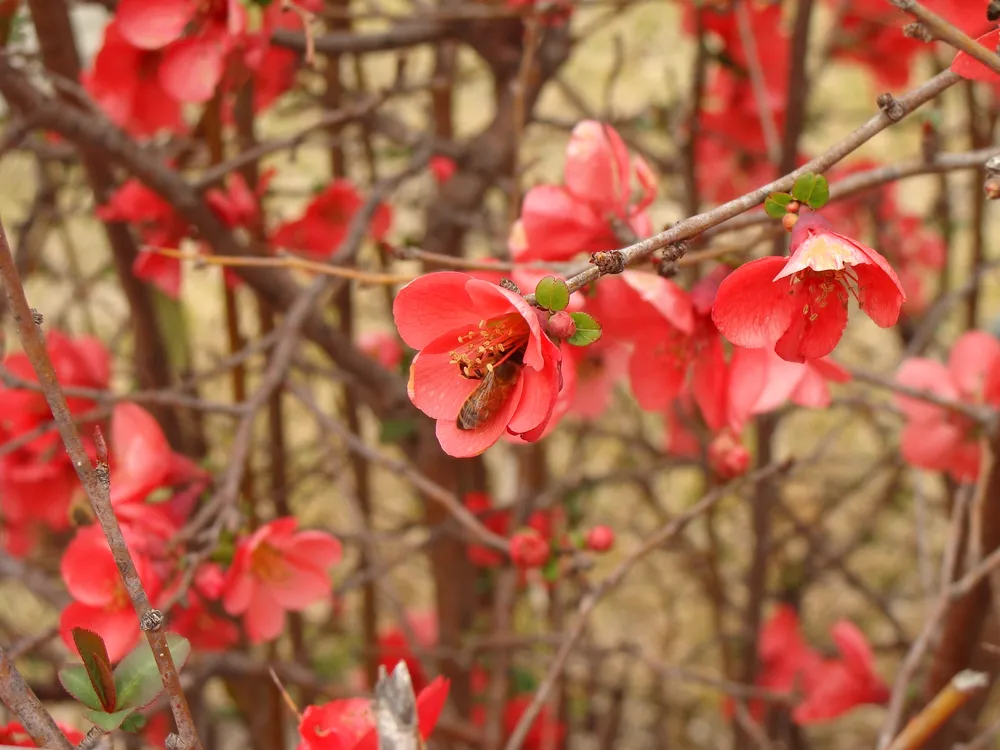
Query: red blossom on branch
x,y
484,365
278,569
798,304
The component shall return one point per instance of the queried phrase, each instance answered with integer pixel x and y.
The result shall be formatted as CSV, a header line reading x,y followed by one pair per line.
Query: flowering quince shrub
x,y
496,408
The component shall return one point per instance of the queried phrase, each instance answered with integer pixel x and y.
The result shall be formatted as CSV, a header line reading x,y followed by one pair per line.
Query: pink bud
x,y
789,221
727,455
528,549
561,325
600,539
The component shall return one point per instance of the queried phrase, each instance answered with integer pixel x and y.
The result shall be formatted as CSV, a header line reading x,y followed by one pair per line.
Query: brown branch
x,y
97,488
952,697
18,696
695,225
947,32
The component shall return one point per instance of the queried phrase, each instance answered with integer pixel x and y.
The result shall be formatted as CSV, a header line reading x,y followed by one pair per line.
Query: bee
x,y
491,393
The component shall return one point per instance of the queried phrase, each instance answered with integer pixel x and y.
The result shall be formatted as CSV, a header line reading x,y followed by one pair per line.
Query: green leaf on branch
x,y
134,723
811,189
552,294
774,204
588,330
108,721
97,664
137,676
77,683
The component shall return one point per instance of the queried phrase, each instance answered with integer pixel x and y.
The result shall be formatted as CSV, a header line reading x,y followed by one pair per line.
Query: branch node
x,y
37,317
890,107
174,742
668,266
151,620
609,262
993,11
917,30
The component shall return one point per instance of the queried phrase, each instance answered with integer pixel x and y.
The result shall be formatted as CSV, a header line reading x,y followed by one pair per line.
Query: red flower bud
x,y
600,539
793,207
528,549
992,187
727,455
561,325
789,221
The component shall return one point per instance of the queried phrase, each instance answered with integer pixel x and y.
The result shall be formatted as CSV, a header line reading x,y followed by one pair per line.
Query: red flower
x,y
798,304
277,569
937,439
320,231
393,646
545,731
14,734
727,456
528,549
123,82
101,602
839,685
348,724
484,366
37,480
600,539
206,629
383,347
561,221
192,66
498,521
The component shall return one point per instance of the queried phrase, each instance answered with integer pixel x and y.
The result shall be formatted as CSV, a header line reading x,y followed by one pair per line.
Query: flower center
x,y
822,288
494,341
267,564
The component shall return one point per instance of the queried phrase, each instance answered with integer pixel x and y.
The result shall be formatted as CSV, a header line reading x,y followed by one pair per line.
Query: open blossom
x,y
935,438
278,569
100,601
798,304
827,688
484,365
348,723
37,480
560,221
324,224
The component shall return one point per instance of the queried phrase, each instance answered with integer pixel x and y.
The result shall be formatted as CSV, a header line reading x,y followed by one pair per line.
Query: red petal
x,y
751,385
437,387
969,67
89,569
118,627
140,453
432,305
750,309
192,68
467,443
854,648
430,702
880,294
709,380
163,272
930,445
657,368
813,333
971,358
597,166
924,374
558,226
537,402
152,25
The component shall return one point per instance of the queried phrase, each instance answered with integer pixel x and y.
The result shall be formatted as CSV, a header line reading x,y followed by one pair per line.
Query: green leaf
x,y
109,722
95,659
77,683
774,204
138,679
552,294
134,723
550,571
820,193
803,187
588,330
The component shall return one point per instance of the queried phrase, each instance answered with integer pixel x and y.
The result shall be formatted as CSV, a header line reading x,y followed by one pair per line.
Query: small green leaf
x,y
95,659
552,294
138,679
820,193
588,330
803,187
77,683
775,204
109,722
550,571
134,723
523,681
